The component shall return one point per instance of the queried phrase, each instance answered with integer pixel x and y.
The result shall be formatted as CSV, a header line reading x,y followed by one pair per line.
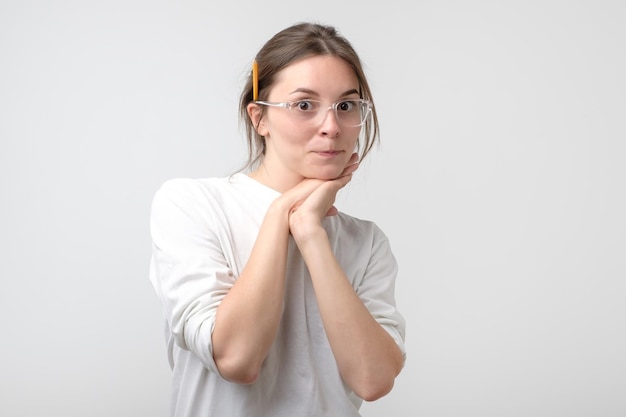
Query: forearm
x,y
249,315
367,356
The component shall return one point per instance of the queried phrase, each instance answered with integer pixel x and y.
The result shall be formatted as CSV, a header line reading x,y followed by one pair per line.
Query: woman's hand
x,y
316,201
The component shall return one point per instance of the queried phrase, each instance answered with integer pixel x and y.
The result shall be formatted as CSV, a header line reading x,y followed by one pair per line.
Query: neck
x,y
275,179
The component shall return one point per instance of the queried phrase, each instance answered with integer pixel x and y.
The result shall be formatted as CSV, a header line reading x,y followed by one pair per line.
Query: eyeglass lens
x,y
346,112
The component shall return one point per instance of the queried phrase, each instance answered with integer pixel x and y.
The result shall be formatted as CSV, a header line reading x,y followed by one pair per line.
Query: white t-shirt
x,y
203,231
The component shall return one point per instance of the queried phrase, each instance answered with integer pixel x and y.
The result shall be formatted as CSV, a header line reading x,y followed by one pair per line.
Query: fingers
x,y
332,211
354,158
351,165
349,169
343,180
327,188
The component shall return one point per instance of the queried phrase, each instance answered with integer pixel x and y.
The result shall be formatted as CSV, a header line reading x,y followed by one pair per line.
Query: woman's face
x,y
296,148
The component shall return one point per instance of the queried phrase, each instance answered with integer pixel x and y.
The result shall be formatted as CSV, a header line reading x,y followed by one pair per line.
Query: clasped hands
x,y
312,200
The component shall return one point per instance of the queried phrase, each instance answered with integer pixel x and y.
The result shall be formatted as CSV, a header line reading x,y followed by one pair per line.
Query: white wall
x,y
500,181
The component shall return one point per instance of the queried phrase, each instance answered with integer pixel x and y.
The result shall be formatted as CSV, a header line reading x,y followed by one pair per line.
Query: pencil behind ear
x,y
255,80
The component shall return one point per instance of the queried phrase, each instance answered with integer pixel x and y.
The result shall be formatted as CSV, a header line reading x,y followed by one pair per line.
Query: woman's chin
x,y
326,174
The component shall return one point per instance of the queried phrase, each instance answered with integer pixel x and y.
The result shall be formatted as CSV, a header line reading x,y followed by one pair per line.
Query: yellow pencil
x,y
255,80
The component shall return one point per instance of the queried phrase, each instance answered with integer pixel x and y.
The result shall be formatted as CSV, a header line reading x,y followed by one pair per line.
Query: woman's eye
x,y
346,106
305,105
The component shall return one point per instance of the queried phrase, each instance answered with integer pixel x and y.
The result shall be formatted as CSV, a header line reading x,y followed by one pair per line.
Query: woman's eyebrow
x,y
311,92
352,91
304,90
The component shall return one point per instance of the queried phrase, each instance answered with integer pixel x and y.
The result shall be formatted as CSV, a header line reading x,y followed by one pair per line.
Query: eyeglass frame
x,y
289,104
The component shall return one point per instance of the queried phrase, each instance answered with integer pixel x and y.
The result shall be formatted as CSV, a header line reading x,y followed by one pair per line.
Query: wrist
x,y
306,232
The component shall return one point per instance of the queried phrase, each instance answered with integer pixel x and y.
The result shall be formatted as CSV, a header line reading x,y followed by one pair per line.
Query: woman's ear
x,y
256,116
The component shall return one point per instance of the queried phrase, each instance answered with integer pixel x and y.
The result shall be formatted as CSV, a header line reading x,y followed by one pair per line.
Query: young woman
x,y
276,303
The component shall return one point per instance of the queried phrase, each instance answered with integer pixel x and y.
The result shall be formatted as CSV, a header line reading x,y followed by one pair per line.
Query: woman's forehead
x,y
321,73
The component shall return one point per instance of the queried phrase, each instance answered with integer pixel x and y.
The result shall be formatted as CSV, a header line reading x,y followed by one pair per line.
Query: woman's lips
x,y
328,153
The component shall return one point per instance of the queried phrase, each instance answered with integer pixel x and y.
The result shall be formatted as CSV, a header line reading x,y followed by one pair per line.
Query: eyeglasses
x,y
348,113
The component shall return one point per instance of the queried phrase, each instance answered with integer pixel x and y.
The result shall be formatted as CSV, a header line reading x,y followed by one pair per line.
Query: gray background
x,y
500,181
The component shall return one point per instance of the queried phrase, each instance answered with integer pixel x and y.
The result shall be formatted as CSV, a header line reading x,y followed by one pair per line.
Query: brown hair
x,y
296,42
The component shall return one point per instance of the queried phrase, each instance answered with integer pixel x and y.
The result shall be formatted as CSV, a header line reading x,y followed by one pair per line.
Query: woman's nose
x,y
330,124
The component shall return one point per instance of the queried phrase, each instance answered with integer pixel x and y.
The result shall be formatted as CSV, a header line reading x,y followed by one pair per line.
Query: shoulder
x,y
183,195
222,195
185,186
188,189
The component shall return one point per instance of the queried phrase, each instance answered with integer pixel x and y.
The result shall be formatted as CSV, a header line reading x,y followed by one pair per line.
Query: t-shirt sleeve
x,y
377,289
188,269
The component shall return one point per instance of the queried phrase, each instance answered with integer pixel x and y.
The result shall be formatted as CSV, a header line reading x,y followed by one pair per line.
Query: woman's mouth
x,y
328,153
